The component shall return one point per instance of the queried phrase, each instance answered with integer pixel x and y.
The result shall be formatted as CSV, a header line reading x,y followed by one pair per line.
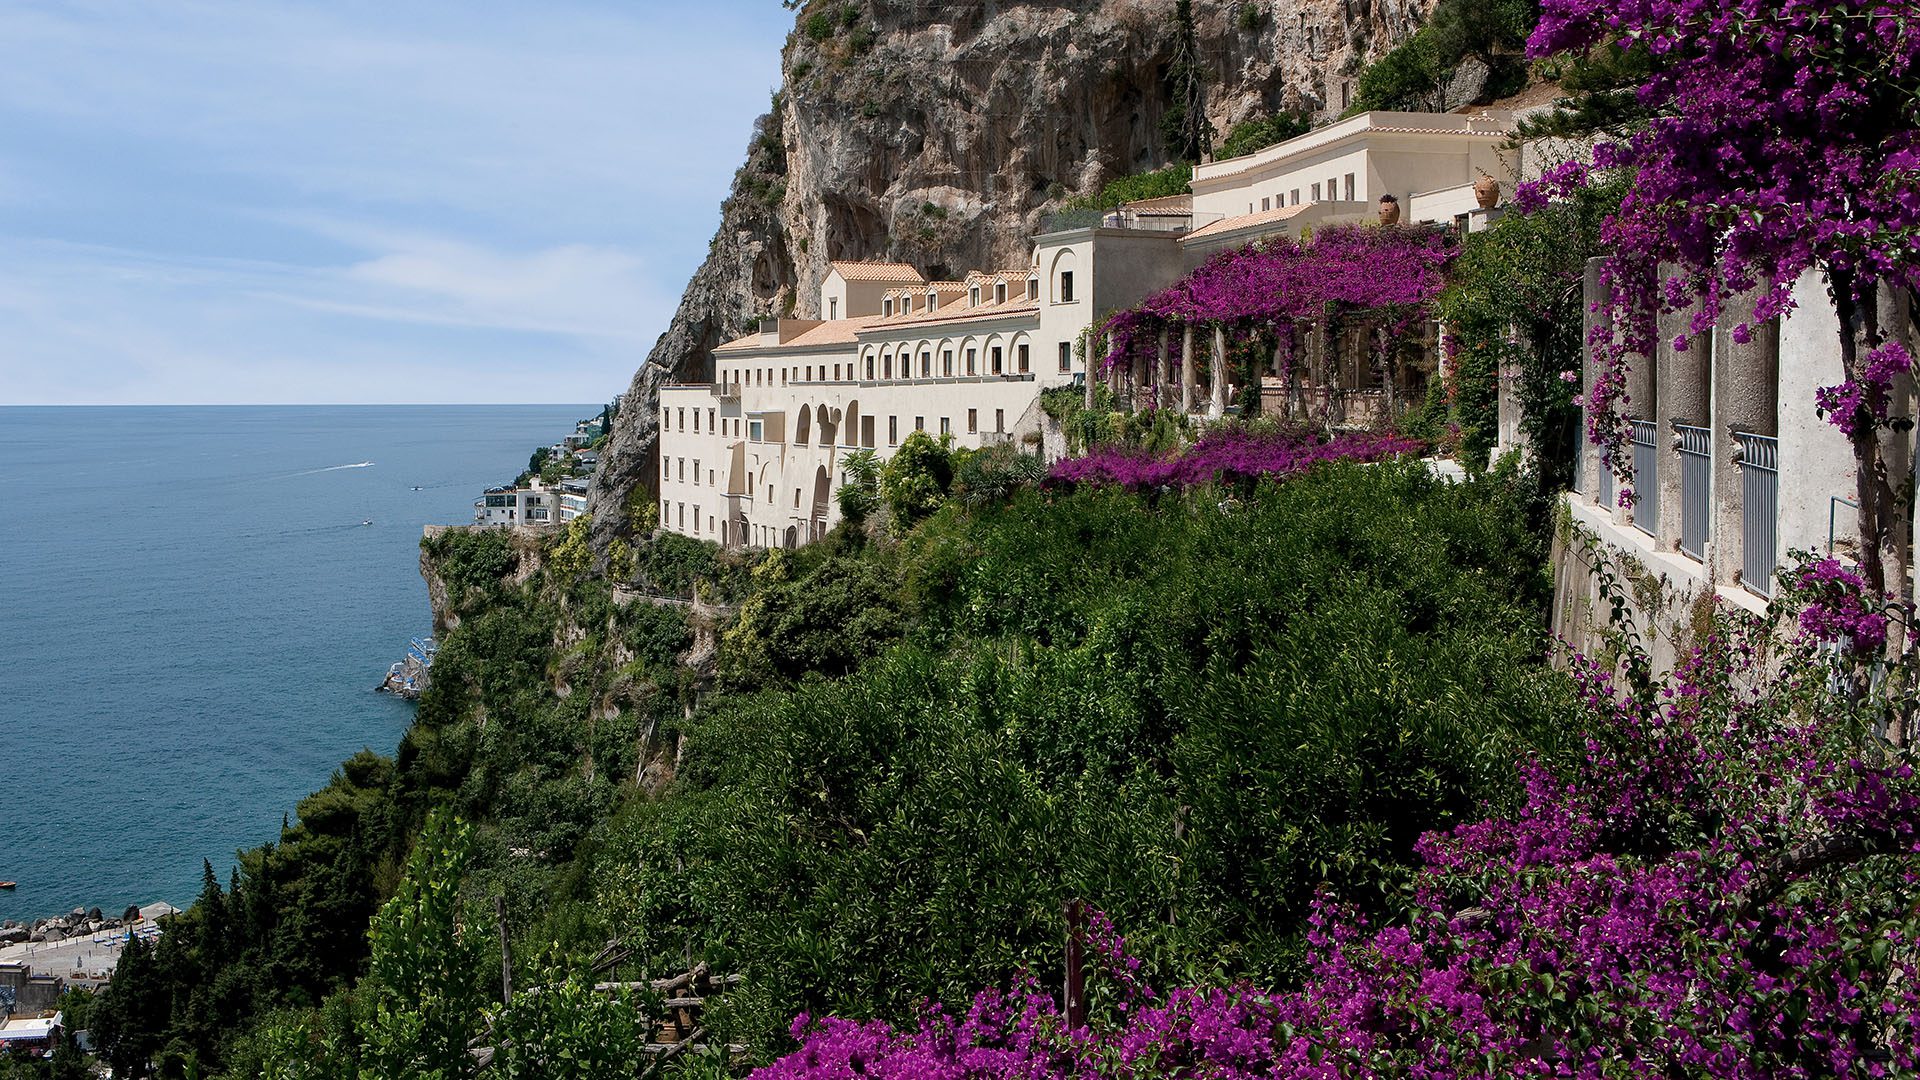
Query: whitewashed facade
x,y
754,457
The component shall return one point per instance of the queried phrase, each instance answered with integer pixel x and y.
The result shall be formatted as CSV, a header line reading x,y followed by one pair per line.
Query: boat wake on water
x,y
333,468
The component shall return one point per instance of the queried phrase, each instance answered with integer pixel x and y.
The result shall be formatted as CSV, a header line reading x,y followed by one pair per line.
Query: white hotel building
x,y
754,458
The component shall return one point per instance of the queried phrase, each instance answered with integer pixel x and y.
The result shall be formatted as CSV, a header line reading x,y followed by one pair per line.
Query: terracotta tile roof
x,y
1019,305
890,273
1164,204
1247,221
833,332
1256,160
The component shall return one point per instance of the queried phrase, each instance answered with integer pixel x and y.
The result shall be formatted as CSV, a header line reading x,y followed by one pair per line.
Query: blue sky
x,y
250,201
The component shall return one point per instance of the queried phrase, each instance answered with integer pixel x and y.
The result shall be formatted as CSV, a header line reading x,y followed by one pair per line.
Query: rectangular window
x,y
973,362
683,469
696,471
973,421
756,430
1350,187
1296,196
683,515
1000,420
696,421
888,365
919,423
926,365
833,307
998,368
1066,286
1066,356
893,431
1333,189
946,364
666,511
710,416
1033,288
683,419
1316,193
946,425
1025,365
866,432
1266,204
1000,293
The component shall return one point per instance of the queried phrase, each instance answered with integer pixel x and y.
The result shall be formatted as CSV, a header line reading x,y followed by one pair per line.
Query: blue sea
x,y
198,603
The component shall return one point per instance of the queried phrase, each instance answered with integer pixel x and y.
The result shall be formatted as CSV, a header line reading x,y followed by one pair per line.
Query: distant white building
x,y
754,457
533,504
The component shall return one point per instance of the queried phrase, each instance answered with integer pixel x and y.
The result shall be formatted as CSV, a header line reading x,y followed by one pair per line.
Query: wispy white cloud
x,y
224,201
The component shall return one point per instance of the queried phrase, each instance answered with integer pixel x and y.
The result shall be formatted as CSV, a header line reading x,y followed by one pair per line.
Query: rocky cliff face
x,y
941,134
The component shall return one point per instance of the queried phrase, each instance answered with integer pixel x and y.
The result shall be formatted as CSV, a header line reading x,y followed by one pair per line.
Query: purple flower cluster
x,y
1391,274
1719,888
1837,606
1225,456
1857,406
1785,137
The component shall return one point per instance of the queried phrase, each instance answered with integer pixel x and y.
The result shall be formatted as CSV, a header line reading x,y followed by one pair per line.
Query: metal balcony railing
x,y
1760,509
1695,445
1646,476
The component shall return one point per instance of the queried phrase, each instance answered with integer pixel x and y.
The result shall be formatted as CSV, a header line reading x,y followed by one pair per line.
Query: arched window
x,y
1064,264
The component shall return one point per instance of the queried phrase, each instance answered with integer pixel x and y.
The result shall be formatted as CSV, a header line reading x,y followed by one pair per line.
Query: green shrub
x,y
819,26
915,480
1175,179
1262,132
859,494
1193,715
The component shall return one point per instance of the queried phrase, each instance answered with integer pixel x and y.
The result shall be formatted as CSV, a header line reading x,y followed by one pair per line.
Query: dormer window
x,y
1000,293
1033,288
933,301
886,306
833,307
973,296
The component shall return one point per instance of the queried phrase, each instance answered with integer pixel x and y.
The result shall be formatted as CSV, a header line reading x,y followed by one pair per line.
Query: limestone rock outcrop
x,y
943,133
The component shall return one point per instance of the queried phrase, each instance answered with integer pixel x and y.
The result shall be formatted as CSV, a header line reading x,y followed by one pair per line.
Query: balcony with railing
x,y
1695,445
1760,509
1646,476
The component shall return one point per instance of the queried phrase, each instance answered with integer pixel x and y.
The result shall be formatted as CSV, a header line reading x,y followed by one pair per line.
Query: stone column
x,y
1746,391
1896,448
1160,374
1186,368
1217,407
1683,387
1591,295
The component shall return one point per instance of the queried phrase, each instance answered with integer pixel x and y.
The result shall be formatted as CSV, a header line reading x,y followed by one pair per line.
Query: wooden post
x,y
506,950
1076,965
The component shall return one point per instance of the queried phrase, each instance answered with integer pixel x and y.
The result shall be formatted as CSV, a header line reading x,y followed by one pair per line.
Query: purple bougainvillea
x,y
1721,888
1227,455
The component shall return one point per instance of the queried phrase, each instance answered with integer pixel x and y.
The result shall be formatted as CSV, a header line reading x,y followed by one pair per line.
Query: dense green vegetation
x,y
1414,75
914,745
1175,179
1262,132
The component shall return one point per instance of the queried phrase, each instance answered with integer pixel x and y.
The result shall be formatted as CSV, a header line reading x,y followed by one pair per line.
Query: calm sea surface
x,y
194,616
